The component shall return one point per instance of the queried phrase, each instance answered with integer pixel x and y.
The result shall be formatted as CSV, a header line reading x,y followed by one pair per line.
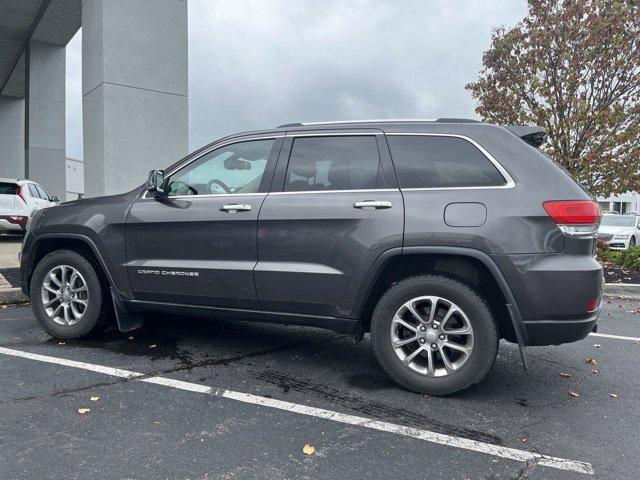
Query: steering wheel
x,y
218,182
176,184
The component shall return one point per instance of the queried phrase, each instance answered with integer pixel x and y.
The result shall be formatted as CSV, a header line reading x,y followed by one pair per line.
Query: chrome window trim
x,y
334,134
367,190
510,183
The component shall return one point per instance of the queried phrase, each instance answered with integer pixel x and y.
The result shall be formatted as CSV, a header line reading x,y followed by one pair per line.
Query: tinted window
x,y
235,168
8,189
441,162
333,163
42,193
33,191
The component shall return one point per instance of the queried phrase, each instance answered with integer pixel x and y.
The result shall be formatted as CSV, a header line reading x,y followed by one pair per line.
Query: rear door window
x,y
424,161
8,188
33,191
44,195
349,162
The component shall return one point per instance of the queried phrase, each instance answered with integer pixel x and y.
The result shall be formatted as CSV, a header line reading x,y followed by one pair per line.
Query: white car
x,y
619,232
18,200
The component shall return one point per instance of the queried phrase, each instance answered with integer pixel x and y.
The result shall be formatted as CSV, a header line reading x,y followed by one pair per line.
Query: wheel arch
x,y
82,244
459,262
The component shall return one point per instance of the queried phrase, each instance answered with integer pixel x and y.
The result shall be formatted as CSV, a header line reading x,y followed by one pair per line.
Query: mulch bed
x,y
12,275
616,274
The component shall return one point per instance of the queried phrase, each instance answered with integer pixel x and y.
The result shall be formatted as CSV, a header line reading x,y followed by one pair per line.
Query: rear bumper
x,y
12,226
555,332
558,295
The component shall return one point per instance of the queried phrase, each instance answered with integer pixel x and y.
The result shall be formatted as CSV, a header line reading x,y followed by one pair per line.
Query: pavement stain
x,y
371,408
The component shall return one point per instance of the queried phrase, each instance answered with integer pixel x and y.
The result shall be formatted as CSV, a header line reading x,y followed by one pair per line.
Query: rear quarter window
x,y
8,188
424,161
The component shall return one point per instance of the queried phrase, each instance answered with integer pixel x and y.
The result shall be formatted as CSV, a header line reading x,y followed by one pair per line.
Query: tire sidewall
x,y
485,342
91,316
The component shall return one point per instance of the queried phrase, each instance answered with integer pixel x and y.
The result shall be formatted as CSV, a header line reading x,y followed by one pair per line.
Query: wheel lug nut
x,y
423,329
422,340
441,337
434,346
434,326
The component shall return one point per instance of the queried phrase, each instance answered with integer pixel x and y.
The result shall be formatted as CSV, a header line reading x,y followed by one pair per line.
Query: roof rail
x,y
382,120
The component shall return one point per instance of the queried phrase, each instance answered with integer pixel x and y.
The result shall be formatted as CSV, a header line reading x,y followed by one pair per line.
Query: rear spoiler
x,y
532,135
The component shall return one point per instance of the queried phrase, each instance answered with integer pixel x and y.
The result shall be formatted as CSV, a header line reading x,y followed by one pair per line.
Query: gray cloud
x,y
257,63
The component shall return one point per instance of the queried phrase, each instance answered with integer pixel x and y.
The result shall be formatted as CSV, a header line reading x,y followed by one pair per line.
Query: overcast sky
x,y
260,63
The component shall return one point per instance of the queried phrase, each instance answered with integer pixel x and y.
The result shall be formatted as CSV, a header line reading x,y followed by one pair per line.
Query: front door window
x,y
233,169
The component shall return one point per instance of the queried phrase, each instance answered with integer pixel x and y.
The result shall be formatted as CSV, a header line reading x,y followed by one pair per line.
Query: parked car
x,y
436,237
18,200
619,232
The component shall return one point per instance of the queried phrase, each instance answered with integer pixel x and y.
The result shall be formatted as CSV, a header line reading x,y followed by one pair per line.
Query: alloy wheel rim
x,y
432,336
65,296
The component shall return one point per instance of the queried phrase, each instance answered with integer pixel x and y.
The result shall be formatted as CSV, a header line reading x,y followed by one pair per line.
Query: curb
x,y
10,296
626,290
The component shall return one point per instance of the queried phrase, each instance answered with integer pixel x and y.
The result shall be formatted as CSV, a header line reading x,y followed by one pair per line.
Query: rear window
x,y
441,162
8,188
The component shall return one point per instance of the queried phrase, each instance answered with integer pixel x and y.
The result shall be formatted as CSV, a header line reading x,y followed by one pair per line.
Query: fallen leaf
x,y
308,449
563,374
153,346
597,345
95,399
574,394
591,361
82,411
614,395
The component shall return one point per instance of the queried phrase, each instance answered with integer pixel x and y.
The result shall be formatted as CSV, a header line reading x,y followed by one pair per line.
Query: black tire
x,y
95,316
632,242
485,331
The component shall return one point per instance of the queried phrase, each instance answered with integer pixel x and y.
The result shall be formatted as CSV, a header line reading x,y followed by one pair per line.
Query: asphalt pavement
x,y
199,399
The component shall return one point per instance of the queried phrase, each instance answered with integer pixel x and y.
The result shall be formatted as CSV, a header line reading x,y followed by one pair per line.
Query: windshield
x,y
617,221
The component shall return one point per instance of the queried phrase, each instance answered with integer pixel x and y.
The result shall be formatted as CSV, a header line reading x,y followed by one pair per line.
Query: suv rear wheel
x,y
433,334
68,298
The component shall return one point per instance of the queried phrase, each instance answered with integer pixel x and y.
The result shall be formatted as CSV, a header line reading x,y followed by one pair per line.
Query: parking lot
x,y
190,398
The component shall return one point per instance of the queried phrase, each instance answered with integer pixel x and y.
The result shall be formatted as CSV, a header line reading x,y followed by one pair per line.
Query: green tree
x,y
573,68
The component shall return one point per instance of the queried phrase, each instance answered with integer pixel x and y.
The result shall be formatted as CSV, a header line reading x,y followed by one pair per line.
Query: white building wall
x,y
75,178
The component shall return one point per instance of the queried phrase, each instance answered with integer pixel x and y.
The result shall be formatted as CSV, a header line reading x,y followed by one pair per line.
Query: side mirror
x,y
55,199
155,183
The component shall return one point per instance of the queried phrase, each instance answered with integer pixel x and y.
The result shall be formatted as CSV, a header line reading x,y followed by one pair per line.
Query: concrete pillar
x,y
134,90
11,137
45,117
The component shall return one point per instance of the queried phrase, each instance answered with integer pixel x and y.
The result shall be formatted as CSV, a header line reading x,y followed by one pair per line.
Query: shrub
x,y
627,258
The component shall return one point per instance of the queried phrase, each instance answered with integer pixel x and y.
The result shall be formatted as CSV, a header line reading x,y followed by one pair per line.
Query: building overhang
x,y
48,21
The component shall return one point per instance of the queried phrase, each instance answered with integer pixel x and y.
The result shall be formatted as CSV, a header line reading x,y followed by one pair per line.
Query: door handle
x,y
372,204
235,207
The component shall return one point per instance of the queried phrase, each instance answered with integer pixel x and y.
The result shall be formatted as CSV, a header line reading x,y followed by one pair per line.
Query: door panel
x,y
316,237
316,248
198,244
186,250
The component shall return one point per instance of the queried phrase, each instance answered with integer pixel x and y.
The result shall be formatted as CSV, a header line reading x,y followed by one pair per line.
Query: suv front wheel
x,y
68,298
433,334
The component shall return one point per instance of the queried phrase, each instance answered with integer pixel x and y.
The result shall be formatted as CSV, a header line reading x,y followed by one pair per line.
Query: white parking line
x,y
617,337
429,436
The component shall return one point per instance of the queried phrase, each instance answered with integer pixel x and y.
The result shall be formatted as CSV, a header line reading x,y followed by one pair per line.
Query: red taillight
x,y
573,212
592,305
21,193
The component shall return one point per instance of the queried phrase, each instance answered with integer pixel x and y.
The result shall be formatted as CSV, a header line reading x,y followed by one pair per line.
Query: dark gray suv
x,y
437,237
